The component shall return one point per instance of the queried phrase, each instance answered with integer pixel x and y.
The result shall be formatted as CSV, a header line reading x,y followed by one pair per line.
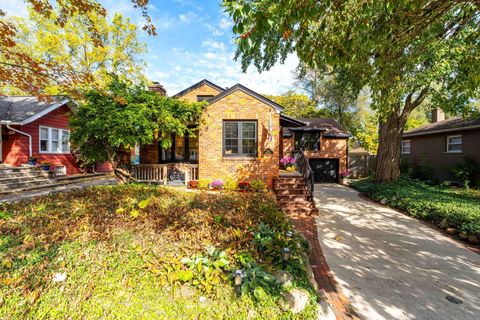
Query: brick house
x,y
442,144
33,128
241,135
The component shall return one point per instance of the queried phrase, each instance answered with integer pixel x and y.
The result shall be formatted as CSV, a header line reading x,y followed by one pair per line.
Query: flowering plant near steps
x,y
345,174
217,184
244,186
287,161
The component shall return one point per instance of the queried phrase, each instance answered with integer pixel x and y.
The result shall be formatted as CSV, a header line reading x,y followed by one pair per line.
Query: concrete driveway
x,y
392,266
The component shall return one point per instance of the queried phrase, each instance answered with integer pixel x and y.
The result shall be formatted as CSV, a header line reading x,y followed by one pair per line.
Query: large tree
x,y
296,104
404,51
117,50
32,73
114,120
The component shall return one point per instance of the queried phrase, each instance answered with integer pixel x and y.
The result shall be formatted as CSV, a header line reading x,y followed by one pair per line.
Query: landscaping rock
x,y
325,311
463,236
443,224
452,231
283,277
383,201
474,239
295,300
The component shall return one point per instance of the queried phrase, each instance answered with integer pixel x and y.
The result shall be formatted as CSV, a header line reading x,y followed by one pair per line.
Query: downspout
x,y
7,123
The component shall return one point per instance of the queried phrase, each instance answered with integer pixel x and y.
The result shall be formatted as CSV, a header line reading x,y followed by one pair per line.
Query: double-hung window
x,y
454,144
406,147
53,140
240,138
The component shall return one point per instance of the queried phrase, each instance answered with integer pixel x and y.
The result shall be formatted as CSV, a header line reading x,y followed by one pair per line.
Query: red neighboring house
x,y
30,127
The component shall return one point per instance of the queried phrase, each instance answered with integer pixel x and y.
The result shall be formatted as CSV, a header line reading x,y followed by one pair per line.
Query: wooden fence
x,y
159,173
361,165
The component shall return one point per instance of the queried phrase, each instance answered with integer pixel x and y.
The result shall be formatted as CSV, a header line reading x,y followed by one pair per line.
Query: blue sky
x,y
194,41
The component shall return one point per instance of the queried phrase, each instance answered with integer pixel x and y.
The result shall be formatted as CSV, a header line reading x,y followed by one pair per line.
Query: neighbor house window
x,y
454,144
60,170
54,140
406,147
204,97
240,138
307,141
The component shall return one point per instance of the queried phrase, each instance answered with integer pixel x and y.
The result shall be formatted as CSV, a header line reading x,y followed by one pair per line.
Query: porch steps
x,y
25,179
293,196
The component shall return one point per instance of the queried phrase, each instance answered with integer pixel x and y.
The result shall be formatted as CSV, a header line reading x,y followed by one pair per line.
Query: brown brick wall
x,y
329,148
238,106
204,89
149,154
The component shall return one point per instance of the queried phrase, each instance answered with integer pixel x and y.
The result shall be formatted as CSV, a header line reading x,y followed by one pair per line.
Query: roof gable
x,y
238,87
197,85
23,110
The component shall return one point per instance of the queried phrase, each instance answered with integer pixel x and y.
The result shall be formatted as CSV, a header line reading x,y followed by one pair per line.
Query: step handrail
x,y
305,170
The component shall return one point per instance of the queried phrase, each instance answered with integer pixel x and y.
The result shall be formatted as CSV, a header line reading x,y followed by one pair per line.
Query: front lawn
x,y
133,251
458,208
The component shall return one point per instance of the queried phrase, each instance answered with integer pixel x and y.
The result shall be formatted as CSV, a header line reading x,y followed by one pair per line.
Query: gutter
x,y
414,134
8,123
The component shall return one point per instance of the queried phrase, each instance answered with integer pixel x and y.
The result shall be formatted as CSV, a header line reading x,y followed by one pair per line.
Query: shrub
x,y
244,186
465,170
258,185
230,185
203,184
217,184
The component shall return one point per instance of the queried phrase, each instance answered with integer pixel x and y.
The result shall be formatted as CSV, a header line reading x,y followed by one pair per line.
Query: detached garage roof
x,y
22,110
329,127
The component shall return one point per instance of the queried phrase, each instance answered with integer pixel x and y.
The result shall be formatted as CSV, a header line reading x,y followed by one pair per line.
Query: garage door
x,y
324,170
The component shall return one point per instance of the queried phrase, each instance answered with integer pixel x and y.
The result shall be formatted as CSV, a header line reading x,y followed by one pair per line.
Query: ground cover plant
x,y
458,208
137,251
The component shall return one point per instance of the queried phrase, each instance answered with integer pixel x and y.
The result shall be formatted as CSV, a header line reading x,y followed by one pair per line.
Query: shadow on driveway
x,y
391,266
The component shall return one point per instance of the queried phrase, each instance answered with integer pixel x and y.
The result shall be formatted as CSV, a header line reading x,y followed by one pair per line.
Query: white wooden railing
x,y
160,172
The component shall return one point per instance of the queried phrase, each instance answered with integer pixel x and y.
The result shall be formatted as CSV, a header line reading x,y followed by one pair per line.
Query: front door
x,y
324,170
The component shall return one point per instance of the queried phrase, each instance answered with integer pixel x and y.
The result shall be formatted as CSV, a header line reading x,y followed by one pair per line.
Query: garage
x,y
324,170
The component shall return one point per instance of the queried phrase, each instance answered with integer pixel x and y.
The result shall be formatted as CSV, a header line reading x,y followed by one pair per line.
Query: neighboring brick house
x,y
30,127
240,136
442,144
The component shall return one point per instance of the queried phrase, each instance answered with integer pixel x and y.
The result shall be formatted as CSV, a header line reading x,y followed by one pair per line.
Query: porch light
x,y
238,279
285,256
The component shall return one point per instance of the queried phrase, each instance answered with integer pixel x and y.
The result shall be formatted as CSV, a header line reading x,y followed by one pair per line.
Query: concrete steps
x,y
292,196
26,179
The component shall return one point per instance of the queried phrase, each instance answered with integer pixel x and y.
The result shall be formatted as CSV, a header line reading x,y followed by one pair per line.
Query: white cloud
x,y
225,23
214,30
15,8
187,17
213,45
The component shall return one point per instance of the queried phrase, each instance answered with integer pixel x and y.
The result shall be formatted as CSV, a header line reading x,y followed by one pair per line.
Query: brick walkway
x,y
305,224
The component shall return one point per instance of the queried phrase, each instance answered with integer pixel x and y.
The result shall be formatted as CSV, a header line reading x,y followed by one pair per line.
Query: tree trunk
x,y
389,144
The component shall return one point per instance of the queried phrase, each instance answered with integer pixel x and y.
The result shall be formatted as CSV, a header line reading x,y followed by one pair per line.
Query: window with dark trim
x,y
307,141
204,97
240,138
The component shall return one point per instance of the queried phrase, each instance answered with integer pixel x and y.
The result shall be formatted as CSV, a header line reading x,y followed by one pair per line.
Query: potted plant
x,y
344,176
289,163
32,161
45,166
217,184
192,184
244,186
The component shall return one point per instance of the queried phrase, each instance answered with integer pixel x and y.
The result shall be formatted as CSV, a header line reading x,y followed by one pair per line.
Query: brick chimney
x,y
157,87
437,115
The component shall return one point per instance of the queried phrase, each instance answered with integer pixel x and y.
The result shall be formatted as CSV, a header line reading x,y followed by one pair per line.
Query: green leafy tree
x,y
113,121
296,105
91,60
403,51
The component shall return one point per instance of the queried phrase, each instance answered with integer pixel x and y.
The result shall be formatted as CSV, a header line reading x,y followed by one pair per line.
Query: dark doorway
x,y
324,170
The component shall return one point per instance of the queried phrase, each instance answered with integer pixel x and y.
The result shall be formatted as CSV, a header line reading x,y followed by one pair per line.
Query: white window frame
x,y
49,140
409,147
61,172
449,144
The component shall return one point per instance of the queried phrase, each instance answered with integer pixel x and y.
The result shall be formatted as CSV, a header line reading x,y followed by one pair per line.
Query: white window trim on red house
x,y
61,132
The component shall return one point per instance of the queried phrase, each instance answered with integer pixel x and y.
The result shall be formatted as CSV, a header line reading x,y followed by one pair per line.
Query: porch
x,y
166,173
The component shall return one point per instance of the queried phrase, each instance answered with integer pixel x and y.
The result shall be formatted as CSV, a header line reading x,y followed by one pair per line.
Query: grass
x,y
460,207
120,248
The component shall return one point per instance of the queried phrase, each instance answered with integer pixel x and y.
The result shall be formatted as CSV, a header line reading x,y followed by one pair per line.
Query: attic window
x,y
204,97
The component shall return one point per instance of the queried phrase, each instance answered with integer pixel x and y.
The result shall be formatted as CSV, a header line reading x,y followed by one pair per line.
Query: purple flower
x,y
217,184
287,160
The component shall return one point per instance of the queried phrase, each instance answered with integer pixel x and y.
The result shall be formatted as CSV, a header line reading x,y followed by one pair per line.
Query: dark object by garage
x,y
324,170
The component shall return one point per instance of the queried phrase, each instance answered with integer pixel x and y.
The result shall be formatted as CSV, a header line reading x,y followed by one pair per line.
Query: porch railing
x,y
305,170
159,173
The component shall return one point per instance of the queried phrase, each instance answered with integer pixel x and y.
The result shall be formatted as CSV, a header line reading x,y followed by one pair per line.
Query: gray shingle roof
x,y
329,126
453,124
18,109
